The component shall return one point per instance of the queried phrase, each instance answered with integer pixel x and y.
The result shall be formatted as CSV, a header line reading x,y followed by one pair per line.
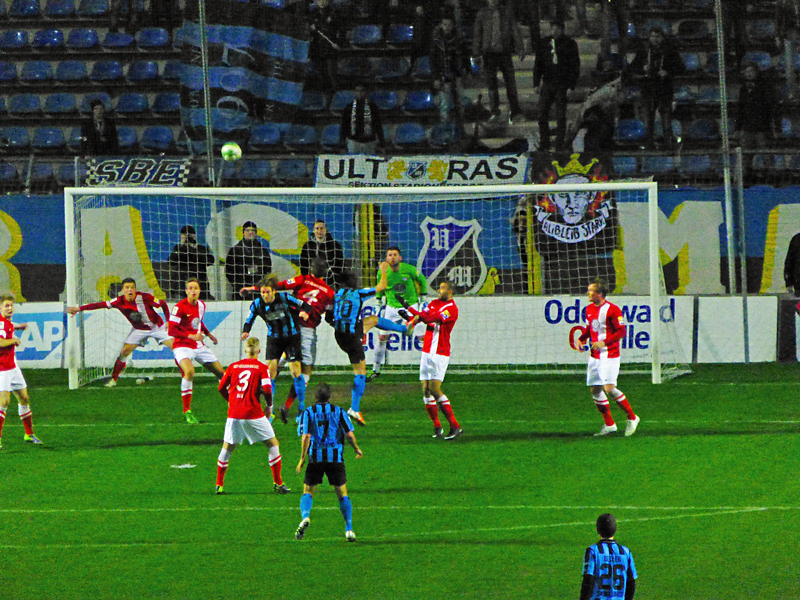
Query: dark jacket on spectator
x,y
247,262
665,57
755,110
330,251
187,261
510,33
326,27
99,143
447,54
557,61
364,110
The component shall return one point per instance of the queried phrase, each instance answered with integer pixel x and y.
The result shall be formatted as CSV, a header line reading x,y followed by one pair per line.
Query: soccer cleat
x,y
283,413
349,535
438,433
454,433
606,430
373,376
630,427
190,418
301,529
356,416
220,491
32,439
111,383
280,489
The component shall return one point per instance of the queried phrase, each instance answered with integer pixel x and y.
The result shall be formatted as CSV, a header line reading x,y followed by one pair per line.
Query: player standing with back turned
x,y
608,569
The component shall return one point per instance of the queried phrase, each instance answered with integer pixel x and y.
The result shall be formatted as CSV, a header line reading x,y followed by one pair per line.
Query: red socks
x,y
186,394
605,410
622,402
433,411
2,421
444,404
119,367
27,419
291,397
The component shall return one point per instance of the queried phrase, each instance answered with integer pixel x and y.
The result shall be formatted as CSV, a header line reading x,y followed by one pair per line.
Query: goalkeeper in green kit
x,y
405,280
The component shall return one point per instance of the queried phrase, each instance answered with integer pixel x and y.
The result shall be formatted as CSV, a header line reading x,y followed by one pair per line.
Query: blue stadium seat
x,y
291,170
62,103
695,164
117,40
105,71
445,134
36,71
409,134
691,60
625,165
253,171
74,139
762,30
300,136
48,138
167,103
385,100
330,137
399,35
264,137
629,130
71,71
313,101
693,30
392,67
665,26
14,39
152,38
48,39
157,138
786,128
708,95
67,175
126,137
86,102
131,103
658,129
143,70
172,70
8,72
82,39
684,95
58,9
15,138
341,100
657,164
24,105
40,173
698,4
761,58
418,100
365,35
704,130
24,9
356,67
92,8
8,172
422,68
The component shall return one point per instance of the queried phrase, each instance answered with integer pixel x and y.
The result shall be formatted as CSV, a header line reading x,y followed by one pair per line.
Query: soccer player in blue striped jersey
x,y
350,329
608,569
324,428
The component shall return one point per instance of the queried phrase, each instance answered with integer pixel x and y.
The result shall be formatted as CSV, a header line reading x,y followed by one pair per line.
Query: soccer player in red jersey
x,y
605,327
242,385
141,310
188,330
439,318
11,379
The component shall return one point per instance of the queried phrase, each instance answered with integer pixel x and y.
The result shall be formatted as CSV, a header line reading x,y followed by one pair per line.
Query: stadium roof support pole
x,y
742,250
726,146
655,283
206,92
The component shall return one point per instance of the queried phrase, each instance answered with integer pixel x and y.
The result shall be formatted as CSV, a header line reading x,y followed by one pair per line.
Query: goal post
x,y
519,257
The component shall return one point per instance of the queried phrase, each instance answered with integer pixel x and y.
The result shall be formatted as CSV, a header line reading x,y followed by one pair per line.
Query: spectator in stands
x,y
556,70
755,109
787,18
361,128
247,262
125,13
791,266
99,134
654,69
326,31
614,11
496,37
166,14
189,260
322,245
447,66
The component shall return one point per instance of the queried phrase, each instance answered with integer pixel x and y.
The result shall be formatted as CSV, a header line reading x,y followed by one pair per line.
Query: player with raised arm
x,y
403,281
439,317
242,385
605,328
350,328
608,569
188,330
141,310
324,428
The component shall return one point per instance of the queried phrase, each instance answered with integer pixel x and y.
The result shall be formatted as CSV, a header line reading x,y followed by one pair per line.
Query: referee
x,y
324,428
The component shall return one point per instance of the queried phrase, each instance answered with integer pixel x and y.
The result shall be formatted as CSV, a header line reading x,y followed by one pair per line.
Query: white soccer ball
x,y
139,381
231,151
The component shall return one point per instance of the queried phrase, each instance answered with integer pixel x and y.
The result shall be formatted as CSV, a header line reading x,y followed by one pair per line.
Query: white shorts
x,y
308,345
12,380
391,313
139,336
255,430
433,366
202,355
602,371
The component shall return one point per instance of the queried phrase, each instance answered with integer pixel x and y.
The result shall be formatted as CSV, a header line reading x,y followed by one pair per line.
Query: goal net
x,y
519,258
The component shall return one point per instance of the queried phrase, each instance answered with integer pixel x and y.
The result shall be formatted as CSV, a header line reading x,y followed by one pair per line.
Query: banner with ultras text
x,y
427,170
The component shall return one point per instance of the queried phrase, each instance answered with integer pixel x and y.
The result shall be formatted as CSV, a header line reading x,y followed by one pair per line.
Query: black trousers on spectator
x,y
663,104
499,61
552,94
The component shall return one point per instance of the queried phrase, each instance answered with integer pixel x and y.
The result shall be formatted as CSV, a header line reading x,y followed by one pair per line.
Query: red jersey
x,y
141,312
244,381
187,319
440,316
8,359
314,292
604,323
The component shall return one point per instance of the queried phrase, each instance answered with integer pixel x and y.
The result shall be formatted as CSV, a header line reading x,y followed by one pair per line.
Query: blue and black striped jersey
x,y
347,305
280,317
327,424
611,565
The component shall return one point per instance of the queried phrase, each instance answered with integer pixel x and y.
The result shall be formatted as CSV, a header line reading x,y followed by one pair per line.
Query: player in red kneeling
x,y
11,379
605,327
241,385
141,310
440,317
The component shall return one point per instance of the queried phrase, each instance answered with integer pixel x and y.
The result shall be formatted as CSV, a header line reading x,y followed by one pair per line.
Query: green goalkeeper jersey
x,y
411,278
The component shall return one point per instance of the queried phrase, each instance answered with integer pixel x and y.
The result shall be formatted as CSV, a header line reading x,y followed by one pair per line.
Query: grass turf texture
x,y
706,493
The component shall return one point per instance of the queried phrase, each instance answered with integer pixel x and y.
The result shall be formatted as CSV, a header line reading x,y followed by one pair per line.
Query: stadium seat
x,y
82,39
2,105
59,9
264,137
126,136
300,137
92,8
685,95
132,103
625,165
629,130
409,134
708,95
48,39
40,173
418,100
385,100
167,103
72,175
400,35
36,71
143,70
693,30
8,72
117,40
330,137
86,102
172,70
253,172
665,26
313,101
105,71
152,38
694,164
761,30
392,67
74,139
445,134
355,67
761,58
422,68
691,60
698,4
658,129
48,138
786,128
157,138
365,35
15,138
14,39
24,9
291,170
703,130
24,105
341,100
62,103
8,172
657,165
71,71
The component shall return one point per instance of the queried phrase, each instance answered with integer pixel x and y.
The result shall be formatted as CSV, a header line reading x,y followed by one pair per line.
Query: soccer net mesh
x,y
519,258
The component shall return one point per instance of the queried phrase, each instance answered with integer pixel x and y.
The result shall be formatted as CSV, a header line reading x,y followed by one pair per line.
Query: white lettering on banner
x,y
573,234
42,340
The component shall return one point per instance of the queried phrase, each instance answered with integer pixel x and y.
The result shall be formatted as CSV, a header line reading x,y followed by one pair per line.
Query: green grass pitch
x,y
707,493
